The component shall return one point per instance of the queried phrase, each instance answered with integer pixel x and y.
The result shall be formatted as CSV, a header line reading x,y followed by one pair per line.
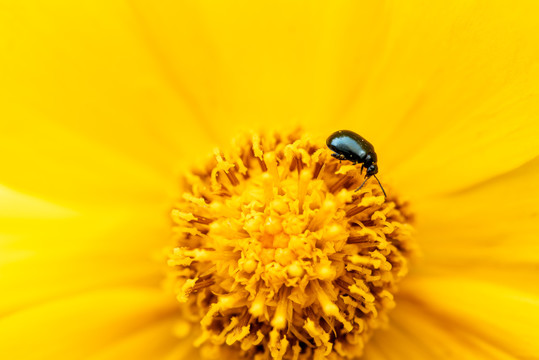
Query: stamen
x,y
203,284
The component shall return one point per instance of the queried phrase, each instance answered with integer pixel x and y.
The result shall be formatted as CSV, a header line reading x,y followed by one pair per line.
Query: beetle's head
x,y
372,169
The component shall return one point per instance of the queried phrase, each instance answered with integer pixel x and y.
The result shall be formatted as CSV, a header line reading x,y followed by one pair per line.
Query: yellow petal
x,y
47,251
498,315
402,74
486,232
35,280
474,115
16,205
155,341
85,101
65,167
74,327
416,334
252,65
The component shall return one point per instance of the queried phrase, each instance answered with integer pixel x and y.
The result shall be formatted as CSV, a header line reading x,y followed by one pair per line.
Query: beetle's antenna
x,y
379,183
367,178
381,187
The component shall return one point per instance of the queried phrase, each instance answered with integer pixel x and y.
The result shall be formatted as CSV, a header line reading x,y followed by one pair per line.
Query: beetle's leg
x,y
362,166
339,157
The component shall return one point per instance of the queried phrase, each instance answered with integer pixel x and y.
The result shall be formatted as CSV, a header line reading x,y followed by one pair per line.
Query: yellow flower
x,y
106,104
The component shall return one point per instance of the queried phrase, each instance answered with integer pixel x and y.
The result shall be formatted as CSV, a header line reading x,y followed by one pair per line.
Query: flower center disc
x,y
277,257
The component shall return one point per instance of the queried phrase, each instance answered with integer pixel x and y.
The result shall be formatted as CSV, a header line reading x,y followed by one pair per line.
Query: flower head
x,y
105,104
277,256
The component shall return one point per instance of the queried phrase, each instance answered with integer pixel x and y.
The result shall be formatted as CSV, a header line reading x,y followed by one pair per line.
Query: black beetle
x,y
347,145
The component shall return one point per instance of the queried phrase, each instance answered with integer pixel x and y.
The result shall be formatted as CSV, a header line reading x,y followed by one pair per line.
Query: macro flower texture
x,y
167,192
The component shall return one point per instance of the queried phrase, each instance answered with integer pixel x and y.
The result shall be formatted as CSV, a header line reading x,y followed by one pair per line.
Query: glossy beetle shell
x,y
352,147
